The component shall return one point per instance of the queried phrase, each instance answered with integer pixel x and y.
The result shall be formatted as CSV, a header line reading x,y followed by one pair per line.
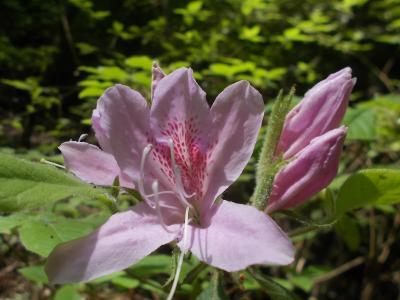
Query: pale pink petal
x,y
309,172
240,236
100,132
123,240
321,110
180,110
91,164
180,114
124,120
237,114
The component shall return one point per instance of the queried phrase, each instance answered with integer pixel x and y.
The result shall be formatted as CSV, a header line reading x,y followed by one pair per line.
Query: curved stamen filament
x,y
181,256
162,193
154,187
142,191
178,177
52,163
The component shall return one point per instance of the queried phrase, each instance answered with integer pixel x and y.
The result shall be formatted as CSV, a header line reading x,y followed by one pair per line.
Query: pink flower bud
x,y
310,170
322,109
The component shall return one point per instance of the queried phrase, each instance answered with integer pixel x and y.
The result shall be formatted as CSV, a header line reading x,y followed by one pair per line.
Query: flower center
x,y
153,200
183,147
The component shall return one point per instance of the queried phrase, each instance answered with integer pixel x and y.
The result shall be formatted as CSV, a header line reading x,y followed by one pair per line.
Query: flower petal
x,y
123,115
91,164
237,114
239,236
100,132
178,103
321,110
309,172
123,240
180,113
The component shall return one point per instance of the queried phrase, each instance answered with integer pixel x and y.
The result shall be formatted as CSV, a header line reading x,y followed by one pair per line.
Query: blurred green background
x,y
57,57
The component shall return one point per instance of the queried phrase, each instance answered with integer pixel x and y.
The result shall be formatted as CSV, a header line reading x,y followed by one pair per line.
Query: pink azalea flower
x,y
181,155
312,141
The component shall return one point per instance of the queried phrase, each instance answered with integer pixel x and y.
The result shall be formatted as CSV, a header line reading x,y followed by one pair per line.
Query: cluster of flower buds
x,y
311,141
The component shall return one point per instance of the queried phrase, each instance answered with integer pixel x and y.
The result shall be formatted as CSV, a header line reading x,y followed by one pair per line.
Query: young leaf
x,y
369,187
26,185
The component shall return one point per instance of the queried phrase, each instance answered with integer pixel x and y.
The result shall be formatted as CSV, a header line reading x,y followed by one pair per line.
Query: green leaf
x,y
361,124
369,187
306,279
34,273
347,229
125,282
215,290
18,84
68,292
274,290
152,264
7,223
91,92
108,277
140,62
27,185
43,234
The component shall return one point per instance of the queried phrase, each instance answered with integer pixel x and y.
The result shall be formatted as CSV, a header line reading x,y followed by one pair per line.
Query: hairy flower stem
x,y
268,165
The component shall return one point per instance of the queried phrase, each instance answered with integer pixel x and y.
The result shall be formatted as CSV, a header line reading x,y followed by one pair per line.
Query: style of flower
x,y
312,142
181,155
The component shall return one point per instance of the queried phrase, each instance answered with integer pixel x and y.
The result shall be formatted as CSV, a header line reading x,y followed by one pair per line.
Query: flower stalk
x,y
268,164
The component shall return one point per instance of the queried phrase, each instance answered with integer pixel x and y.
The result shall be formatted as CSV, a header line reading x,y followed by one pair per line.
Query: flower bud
x,y
309,171
322,109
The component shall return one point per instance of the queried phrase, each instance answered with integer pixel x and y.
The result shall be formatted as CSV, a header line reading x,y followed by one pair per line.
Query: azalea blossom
x,y
181,155
312,141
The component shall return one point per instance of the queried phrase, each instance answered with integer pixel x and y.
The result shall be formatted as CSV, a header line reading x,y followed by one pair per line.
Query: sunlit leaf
x,y
27,185
369,187
44,233
361,123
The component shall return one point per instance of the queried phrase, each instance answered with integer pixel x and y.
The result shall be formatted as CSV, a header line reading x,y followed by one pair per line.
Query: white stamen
x,y
162,193
179,185
181,256
154,187
146,151
52,163
82,137
178,177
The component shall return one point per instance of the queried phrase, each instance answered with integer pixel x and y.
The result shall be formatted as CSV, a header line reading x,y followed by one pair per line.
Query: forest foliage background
x,y
57,57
